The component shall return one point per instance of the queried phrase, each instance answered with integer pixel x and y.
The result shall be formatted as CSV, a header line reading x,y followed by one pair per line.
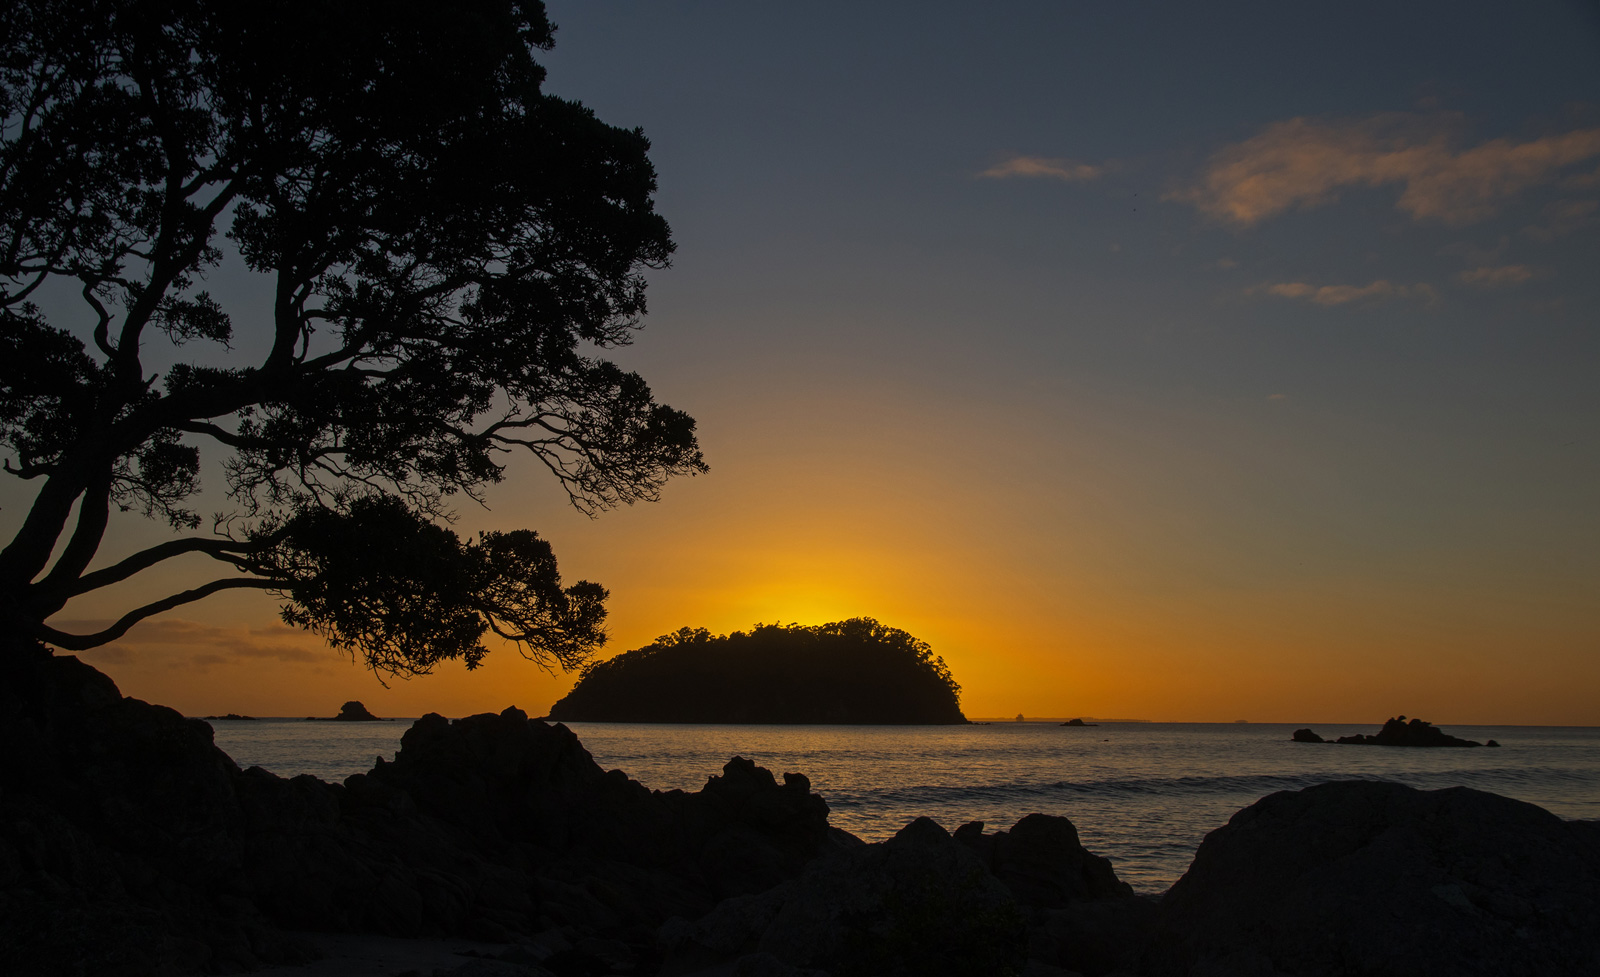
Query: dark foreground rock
x,y
129,844
1366,878
928,904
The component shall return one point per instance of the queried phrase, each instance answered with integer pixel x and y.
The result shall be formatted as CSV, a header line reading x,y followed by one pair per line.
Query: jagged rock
x,y
1381,879
1399,732
767,965
919,903
1081,916
1093,938
130,844
1043,863
507,778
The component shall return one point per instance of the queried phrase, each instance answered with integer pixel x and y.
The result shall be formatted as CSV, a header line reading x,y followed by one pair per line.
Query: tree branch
x,y
94,509
214,431
225,550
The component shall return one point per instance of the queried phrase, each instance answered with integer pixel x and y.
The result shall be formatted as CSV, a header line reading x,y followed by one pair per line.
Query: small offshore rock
x,y
354,712
1400,732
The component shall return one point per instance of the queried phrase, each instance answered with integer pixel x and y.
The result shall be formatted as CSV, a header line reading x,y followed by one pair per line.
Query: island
x,y
1396,732
854,671
1078,722
351,712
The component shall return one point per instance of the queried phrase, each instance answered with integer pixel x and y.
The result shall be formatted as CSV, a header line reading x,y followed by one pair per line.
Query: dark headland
x,y
855,671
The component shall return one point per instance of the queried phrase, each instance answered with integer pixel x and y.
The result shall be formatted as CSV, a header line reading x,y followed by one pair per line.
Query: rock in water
x,y
1395,732
1380,879
353,711
1399,732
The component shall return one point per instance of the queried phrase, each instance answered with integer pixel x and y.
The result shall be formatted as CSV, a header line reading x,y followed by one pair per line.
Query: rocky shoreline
x,y
130,845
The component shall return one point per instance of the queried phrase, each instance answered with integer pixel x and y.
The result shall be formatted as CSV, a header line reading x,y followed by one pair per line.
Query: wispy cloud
x,y
1582,181
1047,167
1496,276
1345,294
202,644
1564,217
1301,163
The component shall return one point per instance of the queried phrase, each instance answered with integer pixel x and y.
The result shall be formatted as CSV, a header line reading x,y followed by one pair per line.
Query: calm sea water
x,y
1142,794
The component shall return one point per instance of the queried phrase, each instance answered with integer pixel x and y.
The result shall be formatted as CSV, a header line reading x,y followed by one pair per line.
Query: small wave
x,y
1255,784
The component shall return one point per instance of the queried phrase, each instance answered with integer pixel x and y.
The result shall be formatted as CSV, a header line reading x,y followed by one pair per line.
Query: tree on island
x,y
855,671
447,246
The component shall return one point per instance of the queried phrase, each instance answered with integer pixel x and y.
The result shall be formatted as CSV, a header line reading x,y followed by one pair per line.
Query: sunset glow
x,y
1137,385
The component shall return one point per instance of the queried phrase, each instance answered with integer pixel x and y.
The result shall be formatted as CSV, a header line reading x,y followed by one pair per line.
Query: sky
x,y
1149,360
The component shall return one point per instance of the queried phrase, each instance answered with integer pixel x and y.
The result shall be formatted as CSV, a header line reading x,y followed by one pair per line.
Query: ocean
x,y
1142,794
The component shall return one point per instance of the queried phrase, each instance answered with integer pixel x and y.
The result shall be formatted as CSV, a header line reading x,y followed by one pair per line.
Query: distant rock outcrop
x,y
855,671
1396,732
1363,877
354,712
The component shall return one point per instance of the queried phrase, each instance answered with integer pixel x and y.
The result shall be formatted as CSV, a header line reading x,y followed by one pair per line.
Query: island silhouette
x,y
351,712
854,671
1396,732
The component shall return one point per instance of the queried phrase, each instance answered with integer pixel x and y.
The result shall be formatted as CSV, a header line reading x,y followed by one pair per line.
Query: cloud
x,y
1582,181
1042,166
1473,255
1563,217
1302,163
1491,276
1344,294
170,637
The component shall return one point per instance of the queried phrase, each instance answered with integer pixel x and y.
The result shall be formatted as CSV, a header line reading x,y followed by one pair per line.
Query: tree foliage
x,y
854,671
450,250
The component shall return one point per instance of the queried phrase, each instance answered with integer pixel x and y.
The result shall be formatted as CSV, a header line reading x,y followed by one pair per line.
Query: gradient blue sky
x,y
1181,361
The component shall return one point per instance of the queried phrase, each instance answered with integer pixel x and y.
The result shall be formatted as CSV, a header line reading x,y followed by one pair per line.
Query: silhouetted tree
x,y
855,671
447,245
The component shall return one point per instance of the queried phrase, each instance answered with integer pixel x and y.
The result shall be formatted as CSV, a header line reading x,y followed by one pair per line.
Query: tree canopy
x,y
450,251
855,671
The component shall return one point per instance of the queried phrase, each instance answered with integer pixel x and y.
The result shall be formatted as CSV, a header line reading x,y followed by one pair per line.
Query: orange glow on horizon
x,y
1105,585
